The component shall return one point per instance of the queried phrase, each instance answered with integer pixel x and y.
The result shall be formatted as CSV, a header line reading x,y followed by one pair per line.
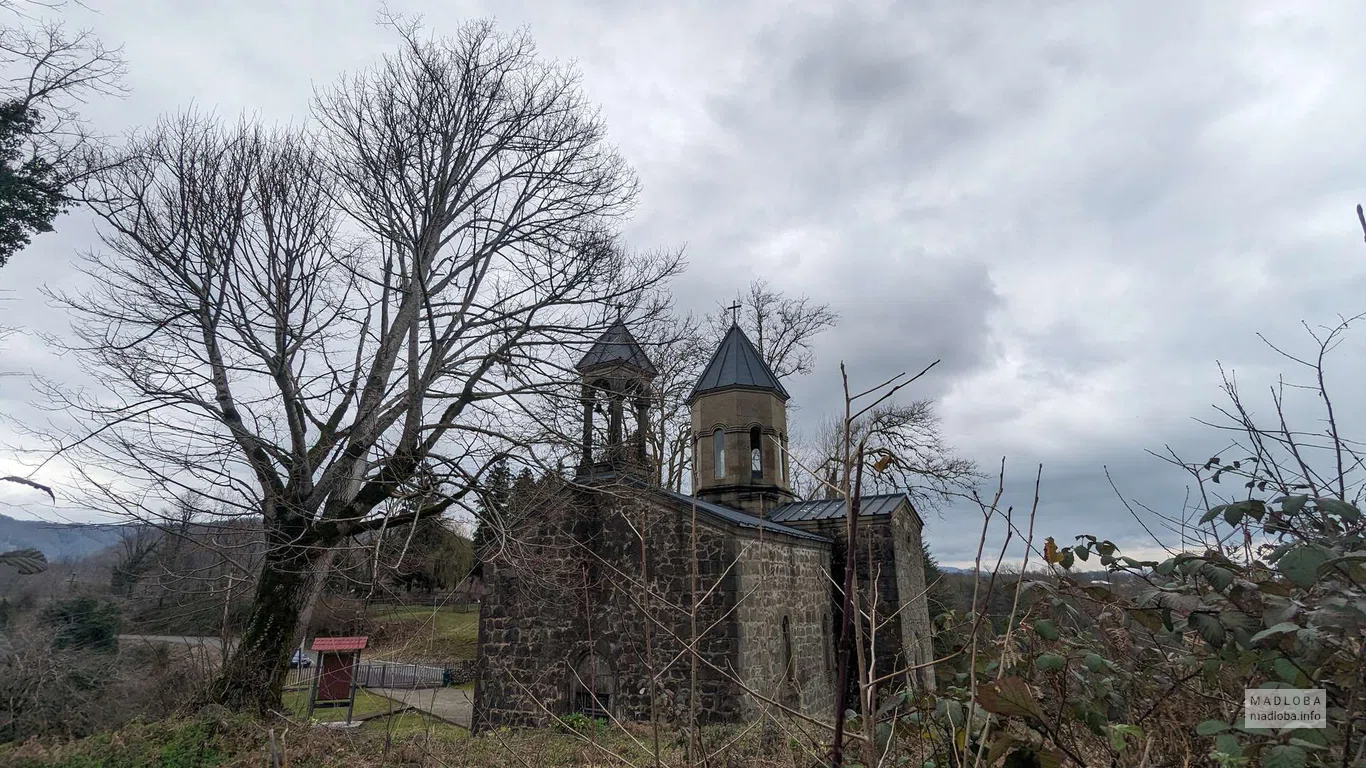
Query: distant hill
x,y
59,541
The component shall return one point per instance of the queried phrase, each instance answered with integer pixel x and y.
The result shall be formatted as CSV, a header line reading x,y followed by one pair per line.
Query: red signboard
x,y
334,677
337,658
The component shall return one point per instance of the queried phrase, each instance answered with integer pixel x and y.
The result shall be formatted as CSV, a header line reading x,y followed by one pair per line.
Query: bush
x,y
83,623
577,722
48,692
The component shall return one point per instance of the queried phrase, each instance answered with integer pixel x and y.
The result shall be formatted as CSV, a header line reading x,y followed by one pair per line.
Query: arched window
x,y
756,453
782,440
788,672
829,643
718,450
593,686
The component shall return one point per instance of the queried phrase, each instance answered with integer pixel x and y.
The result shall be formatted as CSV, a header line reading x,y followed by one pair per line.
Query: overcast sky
x,y
1078,207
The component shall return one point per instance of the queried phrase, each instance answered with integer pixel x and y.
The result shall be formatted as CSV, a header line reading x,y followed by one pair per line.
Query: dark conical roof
x,y
616,346
737,364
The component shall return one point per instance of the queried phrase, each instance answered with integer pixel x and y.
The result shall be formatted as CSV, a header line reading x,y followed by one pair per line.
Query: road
x,y
213,644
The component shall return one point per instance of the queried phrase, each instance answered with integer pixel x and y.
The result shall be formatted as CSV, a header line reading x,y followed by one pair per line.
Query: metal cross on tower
x,y
734,313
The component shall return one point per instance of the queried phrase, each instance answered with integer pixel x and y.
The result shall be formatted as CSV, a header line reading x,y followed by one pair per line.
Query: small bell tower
x,y
739,430
616,375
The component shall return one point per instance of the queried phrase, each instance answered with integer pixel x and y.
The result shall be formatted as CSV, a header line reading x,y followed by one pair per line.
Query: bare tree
x,y
905,441
678,348
137,547
782,327
294,325
46,73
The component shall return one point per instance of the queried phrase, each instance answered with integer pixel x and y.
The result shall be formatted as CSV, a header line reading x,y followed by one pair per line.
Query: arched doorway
x,y
592,686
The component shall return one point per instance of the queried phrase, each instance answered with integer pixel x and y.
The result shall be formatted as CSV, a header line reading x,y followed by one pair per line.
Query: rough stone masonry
x,y
591,590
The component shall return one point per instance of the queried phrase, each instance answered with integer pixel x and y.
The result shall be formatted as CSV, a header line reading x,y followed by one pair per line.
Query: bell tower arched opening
x,y
617,377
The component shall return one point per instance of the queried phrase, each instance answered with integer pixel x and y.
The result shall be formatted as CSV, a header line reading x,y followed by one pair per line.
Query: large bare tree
x,y
294,324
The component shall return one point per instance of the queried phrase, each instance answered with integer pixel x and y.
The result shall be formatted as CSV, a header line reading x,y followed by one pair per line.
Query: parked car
x,y
300,660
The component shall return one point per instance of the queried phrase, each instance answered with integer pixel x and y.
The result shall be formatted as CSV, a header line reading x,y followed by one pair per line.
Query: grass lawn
x,y
367,703
412,723
419,633
405,724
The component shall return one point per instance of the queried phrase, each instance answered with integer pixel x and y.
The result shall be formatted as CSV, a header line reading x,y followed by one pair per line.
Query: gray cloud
x,y
1078,207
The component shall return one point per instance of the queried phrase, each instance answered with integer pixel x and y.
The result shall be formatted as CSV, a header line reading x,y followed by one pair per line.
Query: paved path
x,y
451,704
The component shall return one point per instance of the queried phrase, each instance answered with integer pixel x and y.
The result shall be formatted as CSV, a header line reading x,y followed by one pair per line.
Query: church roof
x,y
735,516
736,363
616,346
706,509
882,505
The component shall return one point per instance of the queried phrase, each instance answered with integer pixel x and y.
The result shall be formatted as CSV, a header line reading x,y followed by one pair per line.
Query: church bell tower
x,y
739,430
616,375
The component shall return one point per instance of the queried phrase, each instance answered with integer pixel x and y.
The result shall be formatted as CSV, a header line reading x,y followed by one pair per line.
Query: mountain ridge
x,y
58,541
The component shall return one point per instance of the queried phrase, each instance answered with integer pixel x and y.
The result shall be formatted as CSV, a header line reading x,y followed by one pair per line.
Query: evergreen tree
x,y
429,557
83,623
30,187
933,575
494,494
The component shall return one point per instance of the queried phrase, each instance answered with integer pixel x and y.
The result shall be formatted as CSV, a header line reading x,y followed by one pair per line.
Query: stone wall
x,y
570,586
881,557
917,633
783,608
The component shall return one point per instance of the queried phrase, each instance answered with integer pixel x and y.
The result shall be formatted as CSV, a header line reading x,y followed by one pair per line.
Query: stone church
x,y
600,585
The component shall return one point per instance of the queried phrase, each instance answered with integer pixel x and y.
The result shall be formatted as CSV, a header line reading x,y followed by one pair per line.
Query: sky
x,y
1080,209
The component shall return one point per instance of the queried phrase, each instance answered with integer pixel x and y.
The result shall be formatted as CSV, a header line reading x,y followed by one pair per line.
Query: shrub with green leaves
x,y
83,623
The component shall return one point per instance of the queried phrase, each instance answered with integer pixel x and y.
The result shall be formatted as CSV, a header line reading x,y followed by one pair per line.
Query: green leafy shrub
x,y
83,623
577,722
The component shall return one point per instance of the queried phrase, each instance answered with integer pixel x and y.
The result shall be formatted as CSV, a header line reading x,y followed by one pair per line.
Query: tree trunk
x,y
321,570
255,674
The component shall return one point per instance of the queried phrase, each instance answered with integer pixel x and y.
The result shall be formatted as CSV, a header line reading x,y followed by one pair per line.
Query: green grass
x,y
412,723
367,703
406,723
420,633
